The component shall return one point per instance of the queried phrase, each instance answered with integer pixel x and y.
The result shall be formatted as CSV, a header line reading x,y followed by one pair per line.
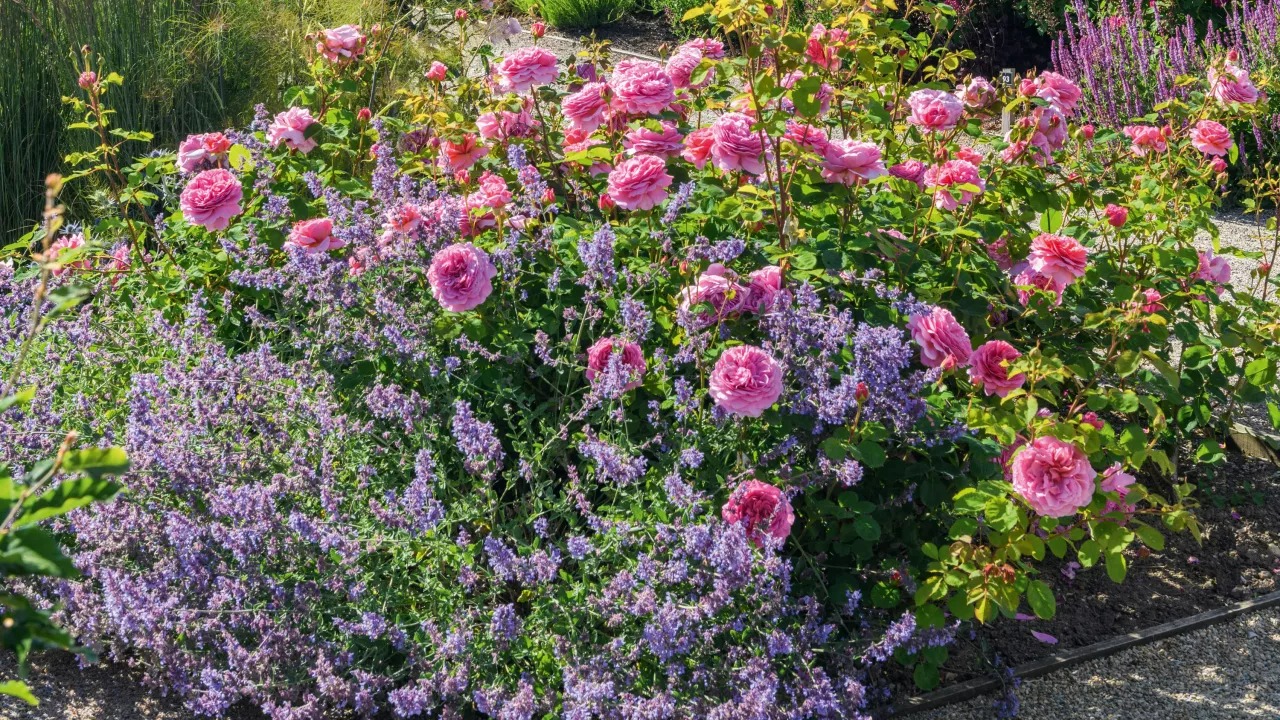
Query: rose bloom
x,y
977,94
641,87
314,236
644,140
934,110
762,510
63,244
1151,301
505,124
211,199
341,44
943,341
1116,480
1059,91
953,173
1059,257
969,155
911,171
822,47
632,358
437,72
709,47
526,67
764,288
460,277
719,288
1211,138
990,368
807,136
1031,278
1232,85
462,155
401,220
476,216
639,183
290,127
586,108
735,146
1146,139
746,381
1054,477
1116,215
697,147
198,151
681,65
1213,268
849,162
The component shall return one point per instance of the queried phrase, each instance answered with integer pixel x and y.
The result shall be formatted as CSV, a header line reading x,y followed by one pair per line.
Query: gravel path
x,y
1223,672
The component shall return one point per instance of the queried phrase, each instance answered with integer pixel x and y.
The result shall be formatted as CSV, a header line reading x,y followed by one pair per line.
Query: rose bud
x,y
1218,165
460,15
548,196
364,115
1087,131
861,392
538,30
607,203
87,79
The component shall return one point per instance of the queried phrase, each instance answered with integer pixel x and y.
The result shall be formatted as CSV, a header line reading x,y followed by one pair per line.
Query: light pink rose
x,y
807,136
681,65
953,173
934,110
1061,258
198,152
63,244
460,277
1029,278
1059,91
1232,85
494,190
735,146
462,155
632,359
1116,480
746,381
437,72
1054,477
639,183
290,128
697,147
341,44
477,215
969,155
762,510
586,108
211,199
851,162
911,171
644,140
314,236
943,341
1117,215
719,288
1211,138
1213,268
978,94
709,47
1146,139
641,87
505,124
990,368
526,67
764,288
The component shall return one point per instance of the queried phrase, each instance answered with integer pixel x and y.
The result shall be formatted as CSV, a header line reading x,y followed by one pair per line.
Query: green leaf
x,y
33,551
1001,514
1117,566
867,527
1051,220
18,689
926,676
1127,363
65,497
1040,597
804,94
1261,372
96,462
21,397
1149,535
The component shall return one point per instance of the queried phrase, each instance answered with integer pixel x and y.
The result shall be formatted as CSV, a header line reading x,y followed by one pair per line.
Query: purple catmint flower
x,y
596,254
476,440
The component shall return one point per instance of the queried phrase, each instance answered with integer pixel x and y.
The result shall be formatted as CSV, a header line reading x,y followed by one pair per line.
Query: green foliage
x,y
577,14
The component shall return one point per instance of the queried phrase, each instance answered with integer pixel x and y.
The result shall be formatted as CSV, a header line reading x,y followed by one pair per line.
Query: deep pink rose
x,y
969,155
746,381
823,45
632,359
643,140
1059,91
198,152
978,94
639,183
719,288
1061,258
1212,138
526,67
314,236
341,44
1029,278
1232,85
697,147
990,368
400,220
934,110
211,199
807,136
585,109
681,65
849,162
710,48
494,191
765,285
762,509
290,128
953,173
1117,215
1218,165
460,277
641,87
1213,268
1054,477
477,215
1146,139
63,244
1151,301
437,72
462,155
943,341
911,171
735,146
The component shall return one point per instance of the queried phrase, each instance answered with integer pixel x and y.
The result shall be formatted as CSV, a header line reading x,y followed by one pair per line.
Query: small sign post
x,y
1006,77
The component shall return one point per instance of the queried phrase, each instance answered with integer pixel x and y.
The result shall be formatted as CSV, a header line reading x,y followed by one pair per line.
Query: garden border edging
x,y
1061,660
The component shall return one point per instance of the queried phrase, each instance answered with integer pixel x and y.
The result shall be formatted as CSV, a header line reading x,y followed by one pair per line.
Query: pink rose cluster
x,y
290,128
1053,476
934,110
211,199
1146,139
631,359
953,174
746,381
762,510
1054,263
341,44
460,276
721,288
526,68
1059,91
686,59
200,152
64,244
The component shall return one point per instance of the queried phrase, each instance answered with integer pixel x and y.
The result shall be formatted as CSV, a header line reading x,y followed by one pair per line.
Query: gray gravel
x,y
1223,672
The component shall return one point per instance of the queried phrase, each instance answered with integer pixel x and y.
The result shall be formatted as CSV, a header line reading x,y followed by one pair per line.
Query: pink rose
x,y
341,44
764,288
990,368
437,72
953,173
1232,85
1146,139
697,147
1116,480
63,244
1029,278
199,151
910,170
401,220
586,108
460,277
477,215
462,155
314,236
526,67
1087,131
978,94
969,155
681,65
211,199
290,128
807,136
1211,138
1059,91
746,381
735,146
943,341
934,110
87,80
1054,477
644,140
1050,132
762,510
494,191
823,46
719,288
639,183
1061,258
1151,301
641,87
710,48
1218,165
1116,215
849,162
632,359
1213,268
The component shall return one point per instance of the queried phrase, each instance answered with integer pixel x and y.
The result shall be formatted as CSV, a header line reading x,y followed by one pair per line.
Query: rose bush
x,y
498,401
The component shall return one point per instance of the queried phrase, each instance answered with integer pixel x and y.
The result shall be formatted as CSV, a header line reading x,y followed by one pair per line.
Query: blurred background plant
x,y
577,14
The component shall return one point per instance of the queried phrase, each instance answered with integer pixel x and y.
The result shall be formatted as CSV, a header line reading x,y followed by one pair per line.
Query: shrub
x,y
578,14
635,390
